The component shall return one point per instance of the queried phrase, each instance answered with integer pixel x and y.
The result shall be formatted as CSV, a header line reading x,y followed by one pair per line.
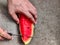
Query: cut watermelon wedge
x,y
26,28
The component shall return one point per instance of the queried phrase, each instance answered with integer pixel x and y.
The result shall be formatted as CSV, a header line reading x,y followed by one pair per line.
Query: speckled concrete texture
x,y
47,29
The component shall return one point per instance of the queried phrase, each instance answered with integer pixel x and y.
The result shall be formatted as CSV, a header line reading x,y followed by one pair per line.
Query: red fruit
x,y
26,28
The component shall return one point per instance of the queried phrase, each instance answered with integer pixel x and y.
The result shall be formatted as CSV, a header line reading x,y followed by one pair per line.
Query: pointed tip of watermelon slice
x,y
26,43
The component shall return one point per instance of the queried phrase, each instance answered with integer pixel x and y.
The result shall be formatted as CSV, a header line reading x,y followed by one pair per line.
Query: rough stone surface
x,y
47,29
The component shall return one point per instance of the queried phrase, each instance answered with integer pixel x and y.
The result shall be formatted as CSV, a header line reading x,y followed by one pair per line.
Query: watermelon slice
x,y
26,28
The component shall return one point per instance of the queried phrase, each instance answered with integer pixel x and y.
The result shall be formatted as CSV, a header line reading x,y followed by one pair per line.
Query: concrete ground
x,y
47,29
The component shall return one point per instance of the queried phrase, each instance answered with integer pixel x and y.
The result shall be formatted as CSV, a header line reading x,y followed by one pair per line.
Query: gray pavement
x,y
47,28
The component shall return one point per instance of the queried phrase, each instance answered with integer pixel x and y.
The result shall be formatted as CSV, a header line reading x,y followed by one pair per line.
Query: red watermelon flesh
x,y
26,28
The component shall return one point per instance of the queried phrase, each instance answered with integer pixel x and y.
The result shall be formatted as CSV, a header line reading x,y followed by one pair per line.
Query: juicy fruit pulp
x,y
26,28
